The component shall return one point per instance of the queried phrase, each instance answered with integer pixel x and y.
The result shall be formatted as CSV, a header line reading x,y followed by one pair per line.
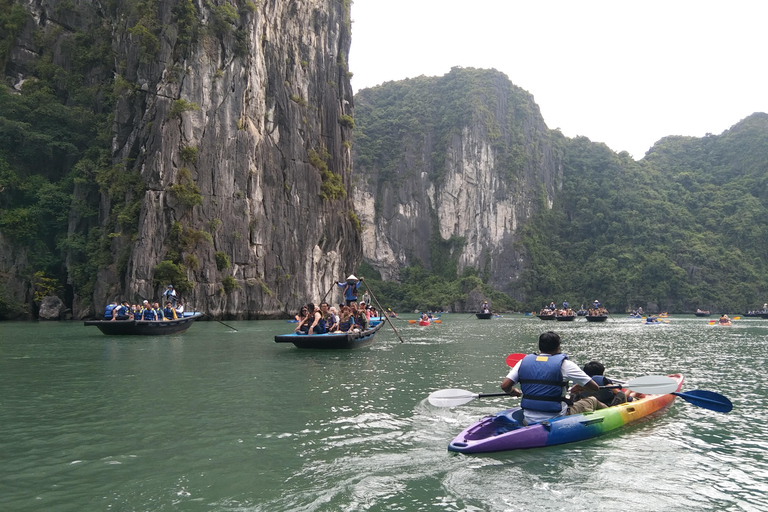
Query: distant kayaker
x,y
544,380
724,319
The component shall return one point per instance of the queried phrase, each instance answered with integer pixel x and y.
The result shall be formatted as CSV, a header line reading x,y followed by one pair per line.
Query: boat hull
x,y
142,327
598,318
504,431
566,318
484,316
546,317
334,341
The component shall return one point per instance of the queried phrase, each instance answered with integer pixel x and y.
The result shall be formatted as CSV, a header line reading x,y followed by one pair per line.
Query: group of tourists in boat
x,y
147,311
552,311
597,309
351,316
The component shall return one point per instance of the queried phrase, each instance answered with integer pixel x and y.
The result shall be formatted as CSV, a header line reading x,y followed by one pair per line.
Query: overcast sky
x,y
626,73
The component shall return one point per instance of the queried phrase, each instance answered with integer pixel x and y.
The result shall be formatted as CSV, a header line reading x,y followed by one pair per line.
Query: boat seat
x,y
509,420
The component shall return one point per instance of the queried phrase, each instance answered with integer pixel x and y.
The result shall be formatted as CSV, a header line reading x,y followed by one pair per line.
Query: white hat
x,y
352,276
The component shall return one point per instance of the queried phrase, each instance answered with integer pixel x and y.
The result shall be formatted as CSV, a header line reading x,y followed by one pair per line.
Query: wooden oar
x,y
650,384
389,320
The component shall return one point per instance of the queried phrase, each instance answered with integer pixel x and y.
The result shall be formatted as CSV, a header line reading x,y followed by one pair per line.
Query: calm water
x,y
215,420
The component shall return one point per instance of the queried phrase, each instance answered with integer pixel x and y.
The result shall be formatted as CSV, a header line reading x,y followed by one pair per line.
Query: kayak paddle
x,y
703,398
706,399
513,359
650,385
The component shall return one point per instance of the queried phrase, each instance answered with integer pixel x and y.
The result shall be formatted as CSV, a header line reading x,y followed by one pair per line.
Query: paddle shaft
x,y
382,310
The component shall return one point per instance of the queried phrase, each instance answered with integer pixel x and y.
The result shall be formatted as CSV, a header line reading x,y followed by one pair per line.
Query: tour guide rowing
x,y
544,378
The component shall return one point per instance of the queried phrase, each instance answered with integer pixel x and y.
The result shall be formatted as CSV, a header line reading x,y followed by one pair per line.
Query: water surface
x,y
216,420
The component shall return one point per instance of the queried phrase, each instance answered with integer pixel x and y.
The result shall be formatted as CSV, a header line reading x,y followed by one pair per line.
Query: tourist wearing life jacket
x,y
544,380
110,311
608,396
169,312
318,323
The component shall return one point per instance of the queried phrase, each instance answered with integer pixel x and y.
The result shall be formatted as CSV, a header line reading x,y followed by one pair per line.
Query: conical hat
x,y
352,276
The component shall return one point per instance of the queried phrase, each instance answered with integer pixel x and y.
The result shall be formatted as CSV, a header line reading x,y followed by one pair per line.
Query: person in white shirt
x,y
544,380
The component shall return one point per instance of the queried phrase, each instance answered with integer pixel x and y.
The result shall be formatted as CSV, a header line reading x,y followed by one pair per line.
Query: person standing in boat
x,y
170,295
544,379
350,286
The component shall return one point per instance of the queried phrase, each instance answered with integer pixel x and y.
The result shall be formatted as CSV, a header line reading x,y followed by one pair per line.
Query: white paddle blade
x,y
451,397
652,385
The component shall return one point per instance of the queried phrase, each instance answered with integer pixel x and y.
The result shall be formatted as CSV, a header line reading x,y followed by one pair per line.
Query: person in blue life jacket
x,y
110,312
169,312
350,286
544,380
149,313
317,325
609,397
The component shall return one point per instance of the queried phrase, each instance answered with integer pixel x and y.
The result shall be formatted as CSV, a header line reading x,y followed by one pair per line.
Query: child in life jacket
x,y
609,396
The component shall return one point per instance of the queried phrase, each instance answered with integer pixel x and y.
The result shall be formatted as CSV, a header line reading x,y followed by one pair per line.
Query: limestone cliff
x,y
235,120
452,168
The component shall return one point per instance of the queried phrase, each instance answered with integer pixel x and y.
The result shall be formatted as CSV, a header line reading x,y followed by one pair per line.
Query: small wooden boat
x,y
550,316
484,316
565,318
144,327
596,318
702,313
333,340
582,312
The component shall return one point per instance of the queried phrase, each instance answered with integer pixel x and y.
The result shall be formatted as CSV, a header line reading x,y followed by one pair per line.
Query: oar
x,y
650,384
704,399
411,321
513,359
386,317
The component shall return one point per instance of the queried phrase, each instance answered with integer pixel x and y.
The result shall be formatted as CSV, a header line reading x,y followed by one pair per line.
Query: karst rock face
x,y
237,120
466,181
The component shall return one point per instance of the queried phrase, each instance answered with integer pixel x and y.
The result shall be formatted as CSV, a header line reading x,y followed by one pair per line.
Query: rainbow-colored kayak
x,y
505,431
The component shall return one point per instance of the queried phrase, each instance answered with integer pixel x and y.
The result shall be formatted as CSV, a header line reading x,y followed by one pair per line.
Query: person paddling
x,y
544,379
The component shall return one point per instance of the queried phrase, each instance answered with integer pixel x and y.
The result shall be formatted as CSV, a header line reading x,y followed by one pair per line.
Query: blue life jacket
x,y
541,381
148,314
168,313
108,311
320,327
604,395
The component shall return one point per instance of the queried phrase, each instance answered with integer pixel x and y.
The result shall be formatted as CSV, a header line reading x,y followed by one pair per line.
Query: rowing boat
x,y
144,327
596,318
333,340
505,430
484,316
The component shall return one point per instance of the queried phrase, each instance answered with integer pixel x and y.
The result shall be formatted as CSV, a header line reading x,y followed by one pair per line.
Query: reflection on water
x,y
221,420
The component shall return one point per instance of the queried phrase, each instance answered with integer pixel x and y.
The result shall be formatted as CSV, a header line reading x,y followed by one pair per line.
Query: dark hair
x,y
311,307
593,368
549,342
